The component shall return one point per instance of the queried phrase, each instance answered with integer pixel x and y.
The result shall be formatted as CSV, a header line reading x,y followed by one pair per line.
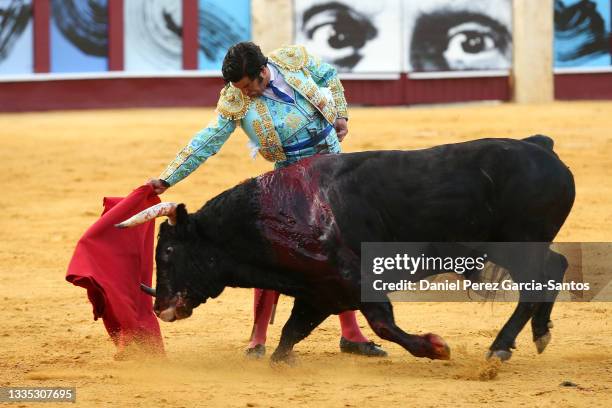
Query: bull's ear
x,y
181,215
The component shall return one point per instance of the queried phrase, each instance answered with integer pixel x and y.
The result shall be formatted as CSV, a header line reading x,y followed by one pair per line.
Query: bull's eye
x,y
169,250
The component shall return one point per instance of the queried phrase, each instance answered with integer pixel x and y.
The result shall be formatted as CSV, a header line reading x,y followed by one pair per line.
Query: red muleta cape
x,y
111,263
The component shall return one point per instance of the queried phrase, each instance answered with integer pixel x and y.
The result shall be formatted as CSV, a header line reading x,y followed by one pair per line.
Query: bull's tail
x,y
491,273
541,140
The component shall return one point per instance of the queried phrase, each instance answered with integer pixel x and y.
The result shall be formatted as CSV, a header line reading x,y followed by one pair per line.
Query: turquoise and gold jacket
x,y
271,124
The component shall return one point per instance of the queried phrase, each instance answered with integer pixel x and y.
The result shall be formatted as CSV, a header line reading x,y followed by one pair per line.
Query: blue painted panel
x,y
16,37
79,35
222,24
582,33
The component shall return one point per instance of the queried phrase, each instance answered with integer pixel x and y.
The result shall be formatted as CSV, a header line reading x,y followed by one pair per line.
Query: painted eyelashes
x,y
338,33
448,40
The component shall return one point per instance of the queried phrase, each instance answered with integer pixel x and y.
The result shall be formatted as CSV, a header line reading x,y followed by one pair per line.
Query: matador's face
x,y
254,87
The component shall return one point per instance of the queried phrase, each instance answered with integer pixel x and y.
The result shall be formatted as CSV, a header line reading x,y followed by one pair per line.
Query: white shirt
x,y
279,82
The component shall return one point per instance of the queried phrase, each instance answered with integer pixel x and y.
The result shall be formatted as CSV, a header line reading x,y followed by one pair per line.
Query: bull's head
x,y
186,273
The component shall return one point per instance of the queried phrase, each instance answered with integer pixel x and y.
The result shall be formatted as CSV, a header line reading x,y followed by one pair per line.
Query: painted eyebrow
x,y
449,19
333,6
444,20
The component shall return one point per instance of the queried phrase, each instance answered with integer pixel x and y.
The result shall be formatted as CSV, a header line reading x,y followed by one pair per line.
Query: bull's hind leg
x,y
556,264
381,320
552,266
541,325
525,263
303,319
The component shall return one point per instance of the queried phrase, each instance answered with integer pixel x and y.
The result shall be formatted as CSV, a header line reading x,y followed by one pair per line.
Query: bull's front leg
x,y
381,320
506,337
302,321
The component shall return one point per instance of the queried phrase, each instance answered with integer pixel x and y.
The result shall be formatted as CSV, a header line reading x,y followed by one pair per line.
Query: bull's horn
x,y
149,291
158,210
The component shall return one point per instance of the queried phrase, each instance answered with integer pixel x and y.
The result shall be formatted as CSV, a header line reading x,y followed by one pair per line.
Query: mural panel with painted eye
x,y
338,32
354,36
459,36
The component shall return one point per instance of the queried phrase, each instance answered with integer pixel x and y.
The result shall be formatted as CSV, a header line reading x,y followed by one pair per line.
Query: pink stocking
x,y
264,301
350,328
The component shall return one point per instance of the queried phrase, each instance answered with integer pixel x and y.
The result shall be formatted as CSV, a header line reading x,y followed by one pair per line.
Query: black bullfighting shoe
x,y
256,352
369,348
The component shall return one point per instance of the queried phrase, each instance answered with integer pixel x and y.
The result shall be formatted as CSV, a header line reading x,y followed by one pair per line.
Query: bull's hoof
x,y
439,348
277,359
502,355
542,342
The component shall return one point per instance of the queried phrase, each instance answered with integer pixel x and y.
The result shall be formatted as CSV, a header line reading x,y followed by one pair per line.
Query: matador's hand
x,y
159,186
341,126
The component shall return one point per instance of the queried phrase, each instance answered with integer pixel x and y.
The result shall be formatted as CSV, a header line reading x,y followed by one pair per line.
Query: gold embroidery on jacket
x,y
292,58
177,162
293,121
310,90
270,145
233,104
337,90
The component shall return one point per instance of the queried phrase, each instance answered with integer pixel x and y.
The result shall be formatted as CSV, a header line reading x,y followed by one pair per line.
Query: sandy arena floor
x,y
57,166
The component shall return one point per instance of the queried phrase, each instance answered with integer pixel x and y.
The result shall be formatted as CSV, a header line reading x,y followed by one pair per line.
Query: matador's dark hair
x,y
244,58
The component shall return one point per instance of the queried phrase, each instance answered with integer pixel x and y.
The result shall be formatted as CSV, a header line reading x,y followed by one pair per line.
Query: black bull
x,y
298,231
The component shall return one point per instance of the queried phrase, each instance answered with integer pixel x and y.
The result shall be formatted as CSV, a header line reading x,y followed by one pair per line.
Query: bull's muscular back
x,y
458,192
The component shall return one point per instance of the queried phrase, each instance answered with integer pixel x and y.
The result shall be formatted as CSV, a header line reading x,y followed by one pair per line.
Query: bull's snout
x,y
166,312
176,308
167,315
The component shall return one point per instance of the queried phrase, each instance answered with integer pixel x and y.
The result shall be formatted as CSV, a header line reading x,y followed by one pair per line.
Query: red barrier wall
x,y
108,93
157,92
583,86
